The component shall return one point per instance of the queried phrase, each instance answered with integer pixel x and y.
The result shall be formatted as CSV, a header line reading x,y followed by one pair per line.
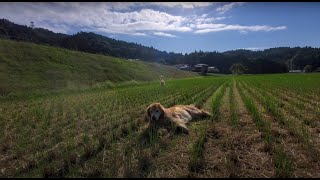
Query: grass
x,y
198,147
71,114
27,67
283,164
217,102
234,117
274,107
99,108
256,116
197,150
199,100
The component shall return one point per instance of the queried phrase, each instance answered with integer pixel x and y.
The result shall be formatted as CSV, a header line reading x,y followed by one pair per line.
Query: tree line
x,y
273,60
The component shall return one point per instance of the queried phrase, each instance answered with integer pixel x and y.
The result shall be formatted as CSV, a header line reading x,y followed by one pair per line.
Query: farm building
x,y
184,67
203,68
296,71
213,69
199,67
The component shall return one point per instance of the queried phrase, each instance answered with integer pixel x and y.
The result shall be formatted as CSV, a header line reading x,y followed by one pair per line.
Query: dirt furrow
x,y
253,157
215,163
300,163
236,151
174,162
303,110
295,123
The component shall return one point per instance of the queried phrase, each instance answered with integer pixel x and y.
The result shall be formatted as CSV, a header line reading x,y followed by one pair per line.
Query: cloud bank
x,y
138,19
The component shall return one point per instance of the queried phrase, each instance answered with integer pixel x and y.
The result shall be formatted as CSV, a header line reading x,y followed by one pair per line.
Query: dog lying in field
x,y
162,82
179,116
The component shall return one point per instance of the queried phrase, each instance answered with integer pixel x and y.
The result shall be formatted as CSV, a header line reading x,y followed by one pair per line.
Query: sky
x,y
180,27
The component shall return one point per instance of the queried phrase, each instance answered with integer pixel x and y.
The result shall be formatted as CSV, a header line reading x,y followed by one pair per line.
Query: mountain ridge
x,y
278,58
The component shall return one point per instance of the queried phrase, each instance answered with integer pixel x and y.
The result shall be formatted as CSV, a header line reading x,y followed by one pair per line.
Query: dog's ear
x,y
162,111
148,114
146,118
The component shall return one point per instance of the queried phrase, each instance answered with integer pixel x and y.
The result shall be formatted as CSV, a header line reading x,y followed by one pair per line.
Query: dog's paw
x,y
181,130
206,114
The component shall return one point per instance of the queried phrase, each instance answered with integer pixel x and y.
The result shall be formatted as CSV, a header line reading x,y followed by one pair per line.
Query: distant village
x,y
197,68
212,69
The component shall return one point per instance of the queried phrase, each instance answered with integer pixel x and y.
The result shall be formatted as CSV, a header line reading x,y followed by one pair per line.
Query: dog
x,y
162,82
178,116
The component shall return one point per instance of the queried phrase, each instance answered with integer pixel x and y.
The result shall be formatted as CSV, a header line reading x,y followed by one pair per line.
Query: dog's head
x,y
155,112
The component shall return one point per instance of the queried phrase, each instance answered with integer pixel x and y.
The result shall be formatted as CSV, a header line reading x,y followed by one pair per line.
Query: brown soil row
x,y
303,164
235,151
174,162
311,138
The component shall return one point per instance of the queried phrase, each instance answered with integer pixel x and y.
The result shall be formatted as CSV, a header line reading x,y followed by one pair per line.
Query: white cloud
x,y
228,7
208,20
92,16
138,34
58,28
224,27
255,48
243,32
163,34
210,26
109,17
121,5
186,5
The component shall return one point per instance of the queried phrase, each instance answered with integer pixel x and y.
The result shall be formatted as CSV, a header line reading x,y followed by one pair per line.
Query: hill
x,y
82,41
273,60
30,67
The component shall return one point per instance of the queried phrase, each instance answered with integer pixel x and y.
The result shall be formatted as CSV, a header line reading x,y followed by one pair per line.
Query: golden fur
x,y
179,115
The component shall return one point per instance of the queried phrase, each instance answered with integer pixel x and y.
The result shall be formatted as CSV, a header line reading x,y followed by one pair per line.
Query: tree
x,y
204,70
307,68
237,68
273,60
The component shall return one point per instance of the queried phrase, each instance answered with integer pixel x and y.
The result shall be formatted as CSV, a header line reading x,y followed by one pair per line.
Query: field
x,y
261,126
27,67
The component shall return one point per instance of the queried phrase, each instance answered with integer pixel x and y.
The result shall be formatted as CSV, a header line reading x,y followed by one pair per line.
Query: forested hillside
x,y
273,60
28,67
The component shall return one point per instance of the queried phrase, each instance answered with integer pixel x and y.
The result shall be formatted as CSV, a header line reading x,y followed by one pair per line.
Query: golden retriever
x,y
179,115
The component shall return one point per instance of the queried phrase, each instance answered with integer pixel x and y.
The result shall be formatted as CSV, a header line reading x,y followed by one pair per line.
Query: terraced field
x,y
261,126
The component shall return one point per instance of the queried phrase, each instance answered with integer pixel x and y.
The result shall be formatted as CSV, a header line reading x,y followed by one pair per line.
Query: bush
x,y
237,68
307,68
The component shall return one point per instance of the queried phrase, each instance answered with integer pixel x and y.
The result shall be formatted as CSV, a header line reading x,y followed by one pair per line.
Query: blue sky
x,y
182,27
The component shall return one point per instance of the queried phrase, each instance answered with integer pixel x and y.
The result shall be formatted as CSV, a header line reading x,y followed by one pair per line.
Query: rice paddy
x,y
261,126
